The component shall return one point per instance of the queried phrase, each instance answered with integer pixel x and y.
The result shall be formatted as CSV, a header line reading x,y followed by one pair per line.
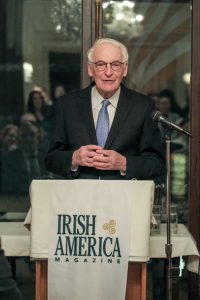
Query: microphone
x,y
158,117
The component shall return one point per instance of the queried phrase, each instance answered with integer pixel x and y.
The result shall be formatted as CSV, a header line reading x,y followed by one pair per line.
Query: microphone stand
x,y
168,127
168,246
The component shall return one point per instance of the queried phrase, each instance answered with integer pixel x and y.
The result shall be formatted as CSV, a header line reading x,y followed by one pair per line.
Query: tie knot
x,y
105,103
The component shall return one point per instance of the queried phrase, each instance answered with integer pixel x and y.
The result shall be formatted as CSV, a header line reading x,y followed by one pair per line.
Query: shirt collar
x,y
97,98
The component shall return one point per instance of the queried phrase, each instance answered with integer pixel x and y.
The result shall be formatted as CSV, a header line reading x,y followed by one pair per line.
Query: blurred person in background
x,y
8,287
59,91
22,164
28,117
9,143
167,105
155,97
9,138
43,91
36,106
43,113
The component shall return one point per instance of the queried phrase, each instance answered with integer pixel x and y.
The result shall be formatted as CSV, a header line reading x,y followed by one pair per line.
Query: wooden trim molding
x,y
194,155
98,6
194,168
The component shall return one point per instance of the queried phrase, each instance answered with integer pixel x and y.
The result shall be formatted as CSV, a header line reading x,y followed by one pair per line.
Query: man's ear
x,y
125,71
90,70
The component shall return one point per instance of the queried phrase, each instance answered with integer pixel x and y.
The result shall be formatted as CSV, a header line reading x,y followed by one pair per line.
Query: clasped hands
x,y
99,158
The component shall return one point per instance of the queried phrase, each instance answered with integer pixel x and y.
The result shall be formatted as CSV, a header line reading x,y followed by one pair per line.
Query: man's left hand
x,y
109,160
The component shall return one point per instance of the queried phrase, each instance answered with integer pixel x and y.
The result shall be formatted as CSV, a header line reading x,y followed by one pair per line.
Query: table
x,y
183,244
15,240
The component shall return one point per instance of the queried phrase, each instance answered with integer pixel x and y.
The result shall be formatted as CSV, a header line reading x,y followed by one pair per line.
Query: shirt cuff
x,y
74,169
123,173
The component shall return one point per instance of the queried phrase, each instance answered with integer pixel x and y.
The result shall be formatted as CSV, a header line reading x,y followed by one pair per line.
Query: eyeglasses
x,y
102,65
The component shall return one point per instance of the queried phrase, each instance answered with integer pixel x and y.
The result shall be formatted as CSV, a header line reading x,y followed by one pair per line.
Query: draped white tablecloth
x,y
183,244
15,240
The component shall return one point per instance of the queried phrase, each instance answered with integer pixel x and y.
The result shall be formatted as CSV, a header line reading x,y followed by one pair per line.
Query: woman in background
x,y
42,112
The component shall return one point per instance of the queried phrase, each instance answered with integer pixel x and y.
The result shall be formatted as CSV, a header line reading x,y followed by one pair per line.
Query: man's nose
x,y
108,70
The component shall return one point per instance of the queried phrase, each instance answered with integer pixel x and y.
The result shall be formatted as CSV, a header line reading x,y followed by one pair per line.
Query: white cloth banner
x,y
142,193
89,241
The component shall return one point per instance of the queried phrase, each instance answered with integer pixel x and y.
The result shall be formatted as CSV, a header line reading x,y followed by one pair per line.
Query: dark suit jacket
x,y
8,287
133,134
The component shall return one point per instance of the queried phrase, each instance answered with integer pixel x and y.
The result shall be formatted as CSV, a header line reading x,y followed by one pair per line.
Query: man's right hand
x,y
84,156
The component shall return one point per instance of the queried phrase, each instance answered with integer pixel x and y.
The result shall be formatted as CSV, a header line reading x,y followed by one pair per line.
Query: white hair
x,y
113,42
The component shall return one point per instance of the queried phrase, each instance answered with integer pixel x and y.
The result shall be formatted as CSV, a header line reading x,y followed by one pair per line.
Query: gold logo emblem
x,y
110,226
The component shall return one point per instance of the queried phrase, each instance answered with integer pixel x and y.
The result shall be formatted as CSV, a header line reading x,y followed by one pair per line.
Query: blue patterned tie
x,y
102,128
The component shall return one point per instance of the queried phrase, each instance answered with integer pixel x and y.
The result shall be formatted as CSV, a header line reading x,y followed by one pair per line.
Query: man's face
x,y
107,81
28,137
164,105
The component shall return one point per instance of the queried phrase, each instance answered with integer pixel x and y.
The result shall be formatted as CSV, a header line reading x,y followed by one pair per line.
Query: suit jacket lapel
x,y
120,117
85,109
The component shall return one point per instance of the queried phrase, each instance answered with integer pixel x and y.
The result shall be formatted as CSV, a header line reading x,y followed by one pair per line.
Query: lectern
x,y
141,193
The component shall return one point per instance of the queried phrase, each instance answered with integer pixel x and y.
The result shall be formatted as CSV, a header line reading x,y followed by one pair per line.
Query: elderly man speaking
x,y
105,131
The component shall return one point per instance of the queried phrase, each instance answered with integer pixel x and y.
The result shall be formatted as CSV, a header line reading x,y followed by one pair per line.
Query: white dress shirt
x,y
97,104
